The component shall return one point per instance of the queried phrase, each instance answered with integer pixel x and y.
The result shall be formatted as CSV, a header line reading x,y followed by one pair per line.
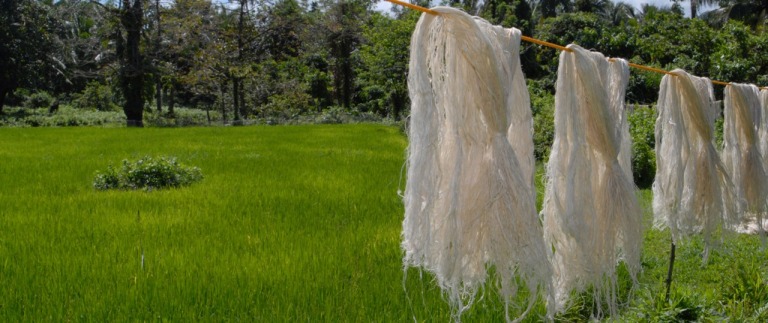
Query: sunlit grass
x,y
296,223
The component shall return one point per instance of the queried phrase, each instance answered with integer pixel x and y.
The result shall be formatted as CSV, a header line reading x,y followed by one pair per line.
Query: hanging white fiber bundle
x,y
692,191
741,151
469,197
590,212
762,130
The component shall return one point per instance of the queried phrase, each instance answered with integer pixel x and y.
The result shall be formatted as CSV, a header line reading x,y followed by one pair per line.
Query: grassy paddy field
x,y
291,224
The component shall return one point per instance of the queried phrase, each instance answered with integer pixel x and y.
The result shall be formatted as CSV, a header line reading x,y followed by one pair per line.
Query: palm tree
x,y
620,12
550,8
695,4
649,9
599,7
751,12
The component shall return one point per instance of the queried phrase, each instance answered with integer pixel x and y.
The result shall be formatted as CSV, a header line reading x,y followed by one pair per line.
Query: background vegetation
x,y
197,62
277,60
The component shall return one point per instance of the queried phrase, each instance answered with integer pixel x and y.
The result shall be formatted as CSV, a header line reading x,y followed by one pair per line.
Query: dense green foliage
x,y
295,223
148,173
26,29
38,100
543,106
96,96
66,116
642,122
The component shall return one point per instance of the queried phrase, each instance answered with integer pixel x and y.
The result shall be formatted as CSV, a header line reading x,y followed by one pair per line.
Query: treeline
x,y
278,59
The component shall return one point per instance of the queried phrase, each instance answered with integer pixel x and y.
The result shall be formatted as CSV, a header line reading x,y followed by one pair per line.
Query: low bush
x,y
65,117
182,117
147,173
38,100
96,96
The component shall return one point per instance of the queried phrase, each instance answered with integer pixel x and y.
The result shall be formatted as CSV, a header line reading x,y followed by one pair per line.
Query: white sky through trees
x,y
384,6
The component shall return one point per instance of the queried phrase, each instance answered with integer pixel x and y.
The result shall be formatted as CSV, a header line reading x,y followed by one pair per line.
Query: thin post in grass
x,y
141,246
671,266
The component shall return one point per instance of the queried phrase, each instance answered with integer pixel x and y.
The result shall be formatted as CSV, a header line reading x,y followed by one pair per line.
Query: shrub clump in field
x,y
147,173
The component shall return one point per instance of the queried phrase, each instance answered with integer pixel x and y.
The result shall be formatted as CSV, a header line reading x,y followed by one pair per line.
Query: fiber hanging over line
x,y
469,196
762,130
741,152
591,214
692,191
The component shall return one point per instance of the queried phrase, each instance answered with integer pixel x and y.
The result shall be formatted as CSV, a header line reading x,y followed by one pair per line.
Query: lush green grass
x,y
290,224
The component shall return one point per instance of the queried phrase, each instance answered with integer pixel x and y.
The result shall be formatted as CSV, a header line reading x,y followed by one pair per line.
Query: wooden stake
x,y
669,272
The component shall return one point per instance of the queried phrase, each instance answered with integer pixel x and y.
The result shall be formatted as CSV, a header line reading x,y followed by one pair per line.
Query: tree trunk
x,y
159,93
158,77
236,97
208,112
694,8
223,104
398,104
3,93
236,81
669,270
171,99
131,71
243,114
348,80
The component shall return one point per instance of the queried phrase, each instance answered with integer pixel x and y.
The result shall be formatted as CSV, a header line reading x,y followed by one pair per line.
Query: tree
x,y
156,62
738,54
551,8
470,6
193,51
131,73
751,12
599,7
83,56
621,12
344,36
280,30
518,14
385,63
695,4
26,40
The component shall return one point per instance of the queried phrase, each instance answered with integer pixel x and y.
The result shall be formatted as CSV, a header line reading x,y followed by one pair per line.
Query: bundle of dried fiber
x,y
762,130
469,196
741,153
692,191
591,214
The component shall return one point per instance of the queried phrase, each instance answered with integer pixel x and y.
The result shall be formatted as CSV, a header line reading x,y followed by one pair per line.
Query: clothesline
x,y
548,44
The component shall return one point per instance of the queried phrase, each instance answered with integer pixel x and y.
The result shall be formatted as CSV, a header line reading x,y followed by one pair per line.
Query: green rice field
x,y
289,224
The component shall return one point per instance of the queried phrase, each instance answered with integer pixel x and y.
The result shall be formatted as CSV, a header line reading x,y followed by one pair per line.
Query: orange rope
x,y
648,68
548,44
414,7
